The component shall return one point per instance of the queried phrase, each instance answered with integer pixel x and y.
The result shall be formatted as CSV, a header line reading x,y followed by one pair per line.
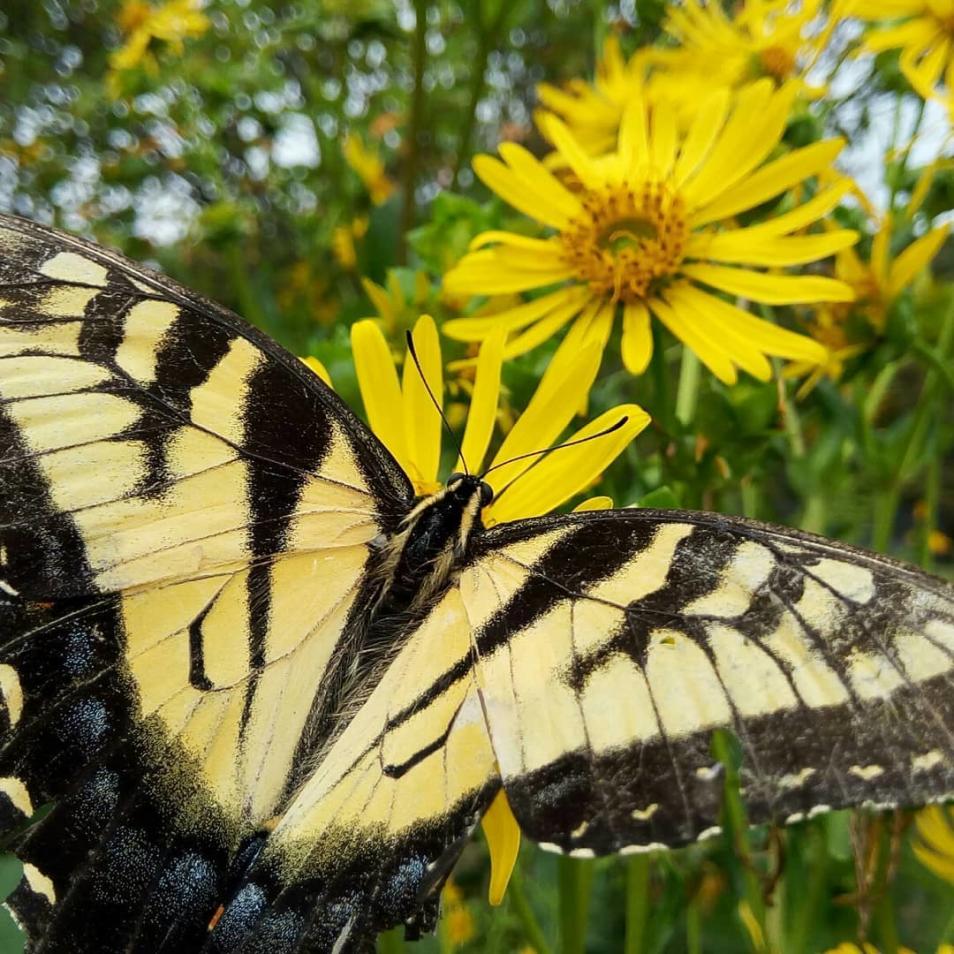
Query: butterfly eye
x,y
455,478
486,493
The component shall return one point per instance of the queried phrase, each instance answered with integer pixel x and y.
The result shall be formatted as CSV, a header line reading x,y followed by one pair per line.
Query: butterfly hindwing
x,y
171,485
615,644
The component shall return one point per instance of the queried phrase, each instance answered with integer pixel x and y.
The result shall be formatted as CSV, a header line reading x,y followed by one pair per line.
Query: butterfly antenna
x,y
549,450
417,364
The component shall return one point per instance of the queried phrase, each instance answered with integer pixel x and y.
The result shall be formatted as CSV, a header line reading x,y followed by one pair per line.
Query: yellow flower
x,y
923,31
593,111
765,38
170,23
651,231
343,241
319,369
395,309
849,947
935,845
458,922
877,284
369,167
403,417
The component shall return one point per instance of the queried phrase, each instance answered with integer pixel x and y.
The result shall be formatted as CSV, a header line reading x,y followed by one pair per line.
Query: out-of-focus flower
x,y
850,947
458,922
403,417
777,39
939,543
650,231
397,309
343,240
934,847
142,24
305,287
923,30
772,38
369,168
849,329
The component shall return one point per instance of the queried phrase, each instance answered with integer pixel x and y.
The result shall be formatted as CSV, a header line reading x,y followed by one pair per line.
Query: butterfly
x,y
256,695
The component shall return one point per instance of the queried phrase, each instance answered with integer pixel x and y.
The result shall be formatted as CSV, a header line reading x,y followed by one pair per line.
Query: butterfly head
x,y
467,488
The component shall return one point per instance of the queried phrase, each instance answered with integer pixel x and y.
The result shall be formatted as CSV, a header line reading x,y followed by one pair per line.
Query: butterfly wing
x,y
585,661
186,522
612,645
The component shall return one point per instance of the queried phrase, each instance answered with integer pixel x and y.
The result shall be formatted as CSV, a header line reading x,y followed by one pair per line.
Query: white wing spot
x,y
866,772
795,817
581,830
796,779
549,846
17,792
582,853
12,692
927,761
643,849
707,833
39,883
818,810
8,589
644,814
709,773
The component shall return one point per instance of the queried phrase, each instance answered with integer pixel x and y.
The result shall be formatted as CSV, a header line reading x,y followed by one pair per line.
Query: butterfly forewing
x,y
618,642
171,487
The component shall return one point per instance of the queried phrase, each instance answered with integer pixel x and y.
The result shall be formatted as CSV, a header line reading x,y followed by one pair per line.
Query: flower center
x,y
777,62
628,240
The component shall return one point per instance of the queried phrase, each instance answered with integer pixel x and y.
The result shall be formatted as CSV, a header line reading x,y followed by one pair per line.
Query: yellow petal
x,y
771,289
544,247
771,180
767,337
566,472
380,300
483,402
703,132
662,143
594,503
560,392
881,250
422,421
500,179
513,319
490,272
503,840
692,332
633,138
804,214
544,329
637,344
745,246
380,391
743,351
752,132
319,369
539,180
557,132
914,258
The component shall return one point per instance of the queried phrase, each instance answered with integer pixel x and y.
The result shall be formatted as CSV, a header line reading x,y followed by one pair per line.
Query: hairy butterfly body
x,y
256,695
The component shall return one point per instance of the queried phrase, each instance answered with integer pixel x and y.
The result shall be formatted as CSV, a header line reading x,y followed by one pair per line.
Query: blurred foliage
x,y
218,157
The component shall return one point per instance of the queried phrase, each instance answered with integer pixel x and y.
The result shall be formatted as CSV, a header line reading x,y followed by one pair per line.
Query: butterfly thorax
x,y
433,539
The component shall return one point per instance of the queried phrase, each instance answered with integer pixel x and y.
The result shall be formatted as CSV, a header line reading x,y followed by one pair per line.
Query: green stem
x,y
810,889
899,172
637,902
737,825
693,929
660,376
947,932
415,125
575,882
687,391
478,81
520,907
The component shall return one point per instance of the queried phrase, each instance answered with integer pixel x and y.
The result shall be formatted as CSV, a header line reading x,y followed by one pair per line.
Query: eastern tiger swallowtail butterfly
x,y
265,694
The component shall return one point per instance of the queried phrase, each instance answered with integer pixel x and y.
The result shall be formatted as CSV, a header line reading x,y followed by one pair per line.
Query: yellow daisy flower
x,y
171,22
935,845
923,31
369,167
769,38
877,284
650,231
765,38
402,415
